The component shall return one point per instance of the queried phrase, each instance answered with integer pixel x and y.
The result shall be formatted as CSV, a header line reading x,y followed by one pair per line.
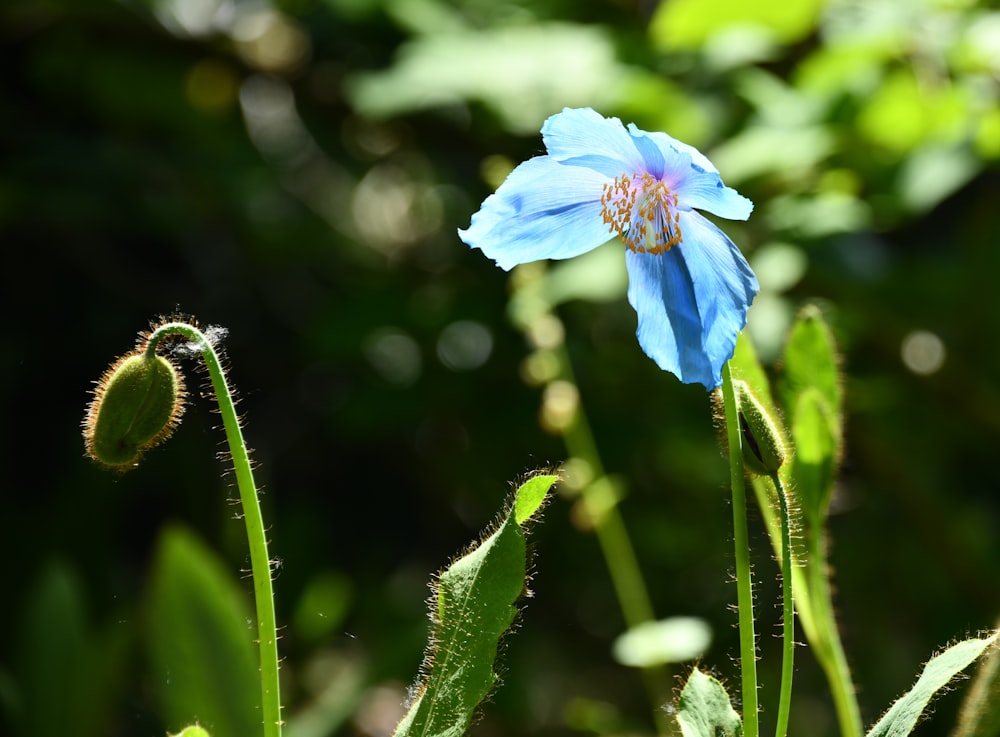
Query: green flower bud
x,y
763,447
137,404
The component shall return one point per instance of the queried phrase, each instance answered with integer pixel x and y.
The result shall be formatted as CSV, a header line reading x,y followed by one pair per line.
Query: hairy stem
x,y
260,561
829,649
744,584
787,611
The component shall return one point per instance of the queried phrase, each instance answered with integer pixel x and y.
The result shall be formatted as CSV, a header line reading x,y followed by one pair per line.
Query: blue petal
x,y
664,142
691,301
583,137
705,191
543,210
695,178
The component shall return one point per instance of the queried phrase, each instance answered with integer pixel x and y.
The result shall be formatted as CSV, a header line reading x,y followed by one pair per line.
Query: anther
x,y
630,204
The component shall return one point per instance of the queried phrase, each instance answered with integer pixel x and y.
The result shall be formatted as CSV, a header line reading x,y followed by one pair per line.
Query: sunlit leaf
x,y
980,712
814,433
687,24
704,709
511,69
902,717
810,361
765,149
473,606
811,395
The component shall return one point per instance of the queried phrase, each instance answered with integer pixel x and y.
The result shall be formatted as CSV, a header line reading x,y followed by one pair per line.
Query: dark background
x,y
296,173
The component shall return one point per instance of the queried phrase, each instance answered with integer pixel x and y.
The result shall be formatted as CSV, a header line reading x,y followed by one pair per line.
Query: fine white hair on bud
x,y
137,404
763,447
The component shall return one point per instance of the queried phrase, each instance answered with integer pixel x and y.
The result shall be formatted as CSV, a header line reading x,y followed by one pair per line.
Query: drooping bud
x,y
763,447
137,404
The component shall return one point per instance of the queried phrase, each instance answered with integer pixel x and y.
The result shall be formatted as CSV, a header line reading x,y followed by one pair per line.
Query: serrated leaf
x,y
704,709
473,606
901,718
201,647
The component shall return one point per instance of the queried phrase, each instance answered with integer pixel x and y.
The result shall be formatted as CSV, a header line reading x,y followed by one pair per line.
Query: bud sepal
x,y
137,404
763,445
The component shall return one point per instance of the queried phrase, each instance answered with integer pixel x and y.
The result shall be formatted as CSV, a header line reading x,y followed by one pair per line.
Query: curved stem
x,y
260,561
787,612
744,584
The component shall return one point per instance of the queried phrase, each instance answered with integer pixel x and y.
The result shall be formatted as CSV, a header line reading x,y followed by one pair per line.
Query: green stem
x,y
744,584
616,547
787,612
830,650
260,561
814,607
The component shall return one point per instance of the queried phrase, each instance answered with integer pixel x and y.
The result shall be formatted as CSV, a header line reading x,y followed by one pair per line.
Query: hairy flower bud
x,y
137,404
763,447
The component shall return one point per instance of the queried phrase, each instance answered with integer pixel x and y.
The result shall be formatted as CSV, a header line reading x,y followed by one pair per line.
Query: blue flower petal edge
x,y
688,283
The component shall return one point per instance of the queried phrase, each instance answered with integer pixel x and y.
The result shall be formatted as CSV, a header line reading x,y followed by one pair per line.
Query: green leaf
x,y
980,712
704,709
903,715
69,672
814,434
810,361
507,68
194,730
474,604
530,495
811,394
200,644
689,24
746,366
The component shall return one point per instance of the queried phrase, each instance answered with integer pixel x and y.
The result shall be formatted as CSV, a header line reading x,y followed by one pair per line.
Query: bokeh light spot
x,y
923,352
394,355
272,42
465,345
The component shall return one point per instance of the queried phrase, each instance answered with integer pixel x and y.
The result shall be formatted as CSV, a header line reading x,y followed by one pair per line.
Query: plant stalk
x,y
787,612
260,561
741,544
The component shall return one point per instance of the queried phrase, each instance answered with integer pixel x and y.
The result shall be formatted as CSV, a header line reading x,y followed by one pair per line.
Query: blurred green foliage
x,y
296,170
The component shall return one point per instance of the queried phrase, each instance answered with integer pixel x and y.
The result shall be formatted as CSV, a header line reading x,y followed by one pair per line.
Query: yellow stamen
x,y
642,211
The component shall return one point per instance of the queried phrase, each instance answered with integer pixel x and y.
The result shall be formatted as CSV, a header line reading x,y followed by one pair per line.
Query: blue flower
x,y
689,283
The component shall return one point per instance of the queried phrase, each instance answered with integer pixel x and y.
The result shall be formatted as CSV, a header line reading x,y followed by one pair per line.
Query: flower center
x,y
642,210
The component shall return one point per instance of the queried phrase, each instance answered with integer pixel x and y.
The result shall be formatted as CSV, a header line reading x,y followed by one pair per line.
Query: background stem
x,y
616,547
